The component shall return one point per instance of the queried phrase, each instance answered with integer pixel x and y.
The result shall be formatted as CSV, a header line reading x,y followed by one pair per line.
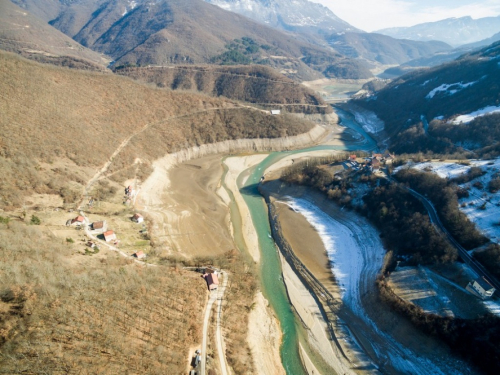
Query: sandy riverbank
x,y
387,340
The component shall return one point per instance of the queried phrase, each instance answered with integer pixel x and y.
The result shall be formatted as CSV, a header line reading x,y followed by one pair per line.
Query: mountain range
x,y
296,15
454,31
189,31
320,26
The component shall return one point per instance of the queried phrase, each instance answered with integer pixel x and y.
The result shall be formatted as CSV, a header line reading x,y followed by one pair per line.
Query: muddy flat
x,y
192,220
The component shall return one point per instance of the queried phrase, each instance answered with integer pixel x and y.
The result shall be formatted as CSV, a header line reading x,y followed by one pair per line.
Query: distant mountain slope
x,y
192,31
254,84
296,15
454,31
25,34
322,27
465,85
382,48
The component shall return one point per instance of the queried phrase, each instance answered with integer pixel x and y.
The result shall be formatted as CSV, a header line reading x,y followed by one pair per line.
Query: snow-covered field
x,y
481,207
471,116
356,255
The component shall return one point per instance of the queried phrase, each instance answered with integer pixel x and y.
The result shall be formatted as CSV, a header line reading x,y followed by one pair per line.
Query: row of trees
x,y
405,226
443,194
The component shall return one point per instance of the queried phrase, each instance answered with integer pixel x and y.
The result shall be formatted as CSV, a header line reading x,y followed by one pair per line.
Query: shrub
x,y
35,220
494,185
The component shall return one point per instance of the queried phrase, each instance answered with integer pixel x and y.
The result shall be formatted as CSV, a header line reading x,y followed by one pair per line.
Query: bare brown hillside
x,y
64,312
51,115
29,36
189,32
255,84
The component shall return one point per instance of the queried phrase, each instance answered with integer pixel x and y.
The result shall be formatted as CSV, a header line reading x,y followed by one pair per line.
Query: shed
x,y
138,218
79,220
275,111
109,236
212,280
139,255
99,225
482,287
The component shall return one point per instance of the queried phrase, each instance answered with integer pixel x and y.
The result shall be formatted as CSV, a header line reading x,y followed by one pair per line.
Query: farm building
x,y
139,255
275,111
212,280
109,236
77,221
481,287
138,218
99,226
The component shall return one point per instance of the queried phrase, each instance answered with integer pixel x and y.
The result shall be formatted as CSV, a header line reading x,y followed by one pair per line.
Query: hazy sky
x,y
371,15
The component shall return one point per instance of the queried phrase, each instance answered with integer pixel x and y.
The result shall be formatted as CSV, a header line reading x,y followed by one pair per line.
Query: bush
x,y
494,185
4,220
35,220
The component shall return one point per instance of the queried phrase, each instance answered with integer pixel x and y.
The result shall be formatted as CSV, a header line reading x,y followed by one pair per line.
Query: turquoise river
x,y
270,272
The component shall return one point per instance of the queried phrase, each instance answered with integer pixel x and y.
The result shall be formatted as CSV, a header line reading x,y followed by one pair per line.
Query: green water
x,y
270,273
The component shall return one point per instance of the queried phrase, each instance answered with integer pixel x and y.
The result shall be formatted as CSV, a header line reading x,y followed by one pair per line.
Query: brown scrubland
x,y
254,84
64,312
53,115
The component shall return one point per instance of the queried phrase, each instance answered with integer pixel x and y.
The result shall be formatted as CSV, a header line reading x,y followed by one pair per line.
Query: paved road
x,y
466,257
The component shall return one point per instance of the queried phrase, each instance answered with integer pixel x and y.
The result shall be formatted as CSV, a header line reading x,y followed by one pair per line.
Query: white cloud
x,y
370,15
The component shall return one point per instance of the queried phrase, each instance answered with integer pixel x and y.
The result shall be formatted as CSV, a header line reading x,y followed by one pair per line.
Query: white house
x,y
275,112
481,287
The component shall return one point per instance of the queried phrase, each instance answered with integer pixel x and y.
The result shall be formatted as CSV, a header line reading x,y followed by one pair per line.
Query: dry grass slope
x,y
255,84
29,36
63,312
51,114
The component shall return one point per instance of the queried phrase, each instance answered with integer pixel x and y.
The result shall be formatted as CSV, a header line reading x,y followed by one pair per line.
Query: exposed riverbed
x,y
356,254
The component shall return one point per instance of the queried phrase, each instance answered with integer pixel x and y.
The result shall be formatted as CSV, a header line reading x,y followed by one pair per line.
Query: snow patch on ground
x,y
356,256
450,89
481,207
369,121
464,119
493,306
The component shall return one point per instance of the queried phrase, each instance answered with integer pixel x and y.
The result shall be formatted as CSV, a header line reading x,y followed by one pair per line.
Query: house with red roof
x,y
109,236
212,280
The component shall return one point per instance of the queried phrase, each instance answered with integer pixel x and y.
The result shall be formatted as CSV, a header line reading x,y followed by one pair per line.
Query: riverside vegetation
x,y
410,237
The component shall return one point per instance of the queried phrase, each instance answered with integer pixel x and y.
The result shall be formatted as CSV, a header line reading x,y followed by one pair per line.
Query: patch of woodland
x,y
443,194
62,311
490,258
401,219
